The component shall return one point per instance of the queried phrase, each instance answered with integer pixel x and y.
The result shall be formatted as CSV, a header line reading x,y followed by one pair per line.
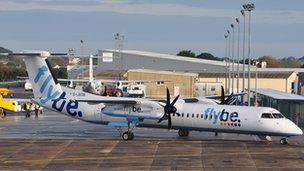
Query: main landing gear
x,y
183,133
129,135
284,141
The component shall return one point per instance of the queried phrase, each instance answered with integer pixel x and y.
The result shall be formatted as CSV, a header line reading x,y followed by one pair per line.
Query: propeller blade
x,y
173,102
169,122
161,119
222,95
228,98
168,97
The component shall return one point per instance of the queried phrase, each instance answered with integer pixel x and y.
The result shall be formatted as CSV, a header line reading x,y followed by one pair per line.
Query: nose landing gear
x,y
183,133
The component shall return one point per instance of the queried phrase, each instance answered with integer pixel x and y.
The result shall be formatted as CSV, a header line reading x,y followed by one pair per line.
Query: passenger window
x,y
202,115
197,115
187,115
192,115
210,117
277,115
267,115
206,116
182,114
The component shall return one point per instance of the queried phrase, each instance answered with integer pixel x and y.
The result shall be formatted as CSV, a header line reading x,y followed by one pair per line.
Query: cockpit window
x,y
277,115
266,115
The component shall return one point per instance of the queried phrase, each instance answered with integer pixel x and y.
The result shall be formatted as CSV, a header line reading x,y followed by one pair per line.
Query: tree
x,y
271,61
3,50
187,53
208,56
290,62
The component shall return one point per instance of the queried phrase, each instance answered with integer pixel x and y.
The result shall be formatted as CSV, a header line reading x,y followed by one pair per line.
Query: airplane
x,y
128,113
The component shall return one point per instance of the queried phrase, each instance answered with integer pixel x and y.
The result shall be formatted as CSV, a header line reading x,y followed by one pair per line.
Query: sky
x,y
164,26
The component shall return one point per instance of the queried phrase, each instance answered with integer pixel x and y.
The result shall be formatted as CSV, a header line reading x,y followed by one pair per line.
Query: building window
x,y
160,83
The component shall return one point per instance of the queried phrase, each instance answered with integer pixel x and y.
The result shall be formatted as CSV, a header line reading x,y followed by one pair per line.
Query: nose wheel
x,y
128,136
284,141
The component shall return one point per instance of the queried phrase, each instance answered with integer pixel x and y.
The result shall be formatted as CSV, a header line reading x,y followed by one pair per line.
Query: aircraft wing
x,y
11,82
128,102
18,100
226,95
73,80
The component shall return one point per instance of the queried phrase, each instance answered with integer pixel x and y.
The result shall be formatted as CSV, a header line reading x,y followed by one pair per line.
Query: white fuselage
x,y
200,117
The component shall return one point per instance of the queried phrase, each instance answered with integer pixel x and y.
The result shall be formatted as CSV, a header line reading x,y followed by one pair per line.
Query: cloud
x,y
155,9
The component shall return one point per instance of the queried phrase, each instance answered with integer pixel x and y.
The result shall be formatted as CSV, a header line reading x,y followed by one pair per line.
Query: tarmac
x,y
56,142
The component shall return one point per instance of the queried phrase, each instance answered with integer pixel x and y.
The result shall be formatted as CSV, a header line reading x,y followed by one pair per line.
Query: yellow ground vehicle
x,y
7,104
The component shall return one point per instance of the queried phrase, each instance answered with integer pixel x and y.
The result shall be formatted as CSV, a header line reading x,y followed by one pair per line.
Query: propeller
x,y
169,109
228,100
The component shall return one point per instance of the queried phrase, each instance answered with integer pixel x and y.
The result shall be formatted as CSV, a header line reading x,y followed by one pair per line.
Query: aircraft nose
x,y
291,128
295,129
299,131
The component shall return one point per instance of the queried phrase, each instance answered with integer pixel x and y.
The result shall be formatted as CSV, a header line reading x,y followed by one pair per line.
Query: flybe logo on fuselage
x,y
222,116
58,103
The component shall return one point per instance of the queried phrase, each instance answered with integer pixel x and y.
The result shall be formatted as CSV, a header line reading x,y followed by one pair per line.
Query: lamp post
x,y
256,83
119,38
82,61
244,39
249,7
238,55
226,64
229,69
232,57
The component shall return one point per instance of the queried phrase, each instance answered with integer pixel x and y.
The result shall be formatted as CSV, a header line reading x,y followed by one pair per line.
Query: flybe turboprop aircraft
x,y
130,112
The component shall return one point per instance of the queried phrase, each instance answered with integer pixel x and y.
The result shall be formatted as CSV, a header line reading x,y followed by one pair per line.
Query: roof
x,y
261,74
167,56
279,95
281,69
163,72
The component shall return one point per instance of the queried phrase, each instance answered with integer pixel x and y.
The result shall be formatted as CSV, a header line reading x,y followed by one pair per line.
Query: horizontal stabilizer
x,y
43,54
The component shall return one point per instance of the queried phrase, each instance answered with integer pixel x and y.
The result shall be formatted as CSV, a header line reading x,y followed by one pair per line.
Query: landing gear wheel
x,y
284,141
2,113
183,133
128,136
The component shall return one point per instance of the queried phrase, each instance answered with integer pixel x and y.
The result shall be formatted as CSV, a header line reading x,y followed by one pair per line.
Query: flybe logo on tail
x,y
223,116
51,94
